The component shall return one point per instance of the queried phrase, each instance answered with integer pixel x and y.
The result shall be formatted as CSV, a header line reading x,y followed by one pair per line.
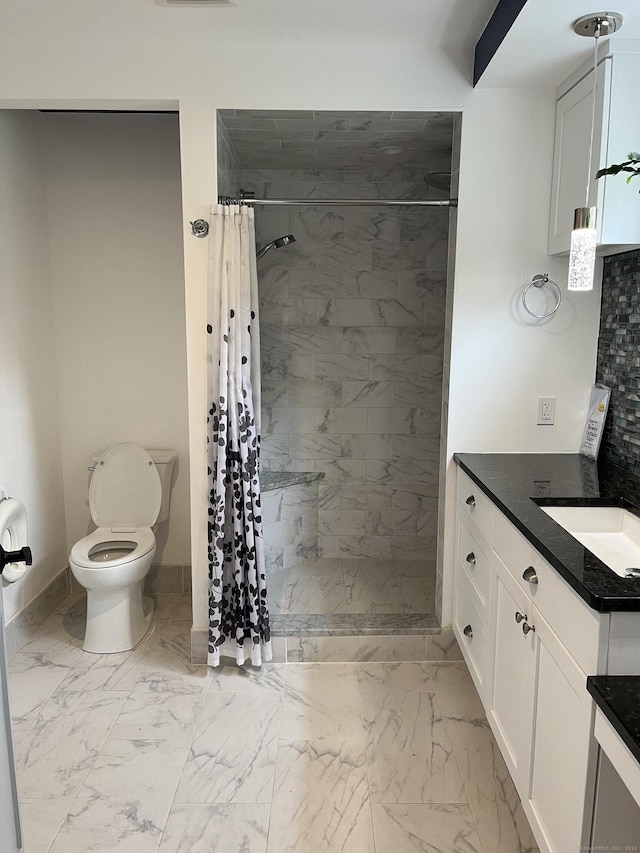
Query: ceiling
x,y
432,23
541,48
317,139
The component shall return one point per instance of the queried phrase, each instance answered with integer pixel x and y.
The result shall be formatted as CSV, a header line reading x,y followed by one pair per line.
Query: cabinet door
x,y
509,710
571,155
562,777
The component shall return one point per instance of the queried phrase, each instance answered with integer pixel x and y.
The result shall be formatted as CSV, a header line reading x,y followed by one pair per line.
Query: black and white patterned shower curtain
x,y
238,607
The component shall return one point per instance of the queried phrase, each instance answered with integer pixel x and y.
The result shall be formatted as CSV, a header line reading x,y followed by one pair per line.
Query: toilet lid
x,y
125,490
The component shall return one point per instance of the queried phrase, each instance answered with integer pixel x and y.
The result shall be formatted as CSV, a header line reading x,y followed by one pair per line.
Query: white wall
x,y
30,457
500,365
114,209
502,360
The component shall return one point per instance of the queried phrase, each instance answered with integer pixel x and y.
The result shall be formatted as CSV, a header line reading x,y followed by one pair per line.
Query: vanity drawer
x,y
474,554
575,623
475,505
471,632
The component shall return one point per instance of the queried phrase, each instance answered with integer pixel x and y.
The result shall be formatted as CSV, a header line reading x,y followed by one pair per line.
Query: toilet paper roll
x,y
13,535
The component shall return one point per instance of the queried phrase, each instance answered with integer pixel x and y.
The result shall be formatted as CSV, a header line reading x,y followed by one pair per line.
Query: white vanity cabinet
x,y
558,795
617,129
539,709
537,641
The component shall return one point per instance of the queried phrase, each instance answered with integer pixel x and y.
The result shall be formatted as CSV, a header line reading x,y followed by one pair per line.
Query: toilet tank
x,y
164,461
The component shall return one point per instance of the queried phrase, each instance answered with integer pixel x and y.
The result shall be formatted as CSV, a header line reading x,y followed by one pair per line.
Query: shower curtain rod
x,y
343,202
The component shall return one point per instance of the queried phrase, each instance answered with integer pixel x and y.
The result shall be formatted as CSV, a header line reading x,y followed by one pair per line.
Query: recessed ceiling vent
x,y
196,2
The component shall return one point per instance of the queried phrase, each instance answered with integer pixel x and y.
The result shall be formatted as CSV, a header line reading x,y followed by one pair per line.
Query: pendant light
x,y
582,257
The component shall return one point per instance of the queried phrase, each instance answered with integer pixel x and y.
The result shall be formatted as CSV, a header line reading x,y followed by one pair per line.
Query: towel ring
x,y
540,281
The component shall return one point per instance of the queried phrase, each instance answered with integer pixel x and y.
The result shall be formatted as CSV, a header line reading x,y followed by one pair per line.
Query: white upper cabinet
x,y
617,132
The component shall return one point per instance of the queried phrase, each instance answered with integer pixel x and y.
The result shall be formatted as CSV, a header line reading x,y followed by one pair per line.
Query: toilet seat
x,y
143,538
125,491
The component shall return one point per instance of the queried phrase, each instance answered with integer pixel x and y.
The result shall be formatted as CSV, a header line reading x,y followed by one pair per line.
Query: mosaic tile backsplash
x,y
619,359
352,336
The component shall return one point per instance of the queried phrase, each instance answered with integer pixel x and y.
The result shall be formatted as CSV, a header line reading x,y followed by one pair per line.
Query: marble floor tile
x,y
101,758
110,672
315,593
212,828
416,569
419,594
248,679
443,646
152,714
171,607
61,633
172,630
494,801
320,800
403,676
168,663
232,757
143,773
41,820
433,828
495,804
105,825
34,676
455,691
57,745
321,701
409,756
373,589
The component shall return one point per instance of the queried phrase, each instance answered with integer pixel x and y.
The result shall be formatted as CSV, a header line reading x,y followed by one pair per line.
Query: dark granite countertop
x,y
514,481
618,697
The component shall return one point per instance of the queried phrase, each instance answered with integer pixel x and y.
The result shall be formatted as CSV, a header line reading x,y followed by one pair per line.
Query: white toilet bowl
x,y
111,563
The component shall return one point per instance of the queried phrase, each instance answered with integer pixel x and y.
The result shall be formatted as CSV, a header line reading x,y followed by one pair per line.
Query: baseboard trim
x,y
19,629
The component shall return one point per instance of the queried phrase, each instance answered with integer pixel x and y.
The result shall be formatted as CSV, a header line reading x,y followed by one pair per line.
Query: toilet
x,y
129,493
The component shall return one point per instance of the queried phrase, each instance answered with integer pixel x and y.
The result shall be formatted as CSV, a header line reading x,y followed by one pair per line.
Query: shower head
x,y
275,244
439,180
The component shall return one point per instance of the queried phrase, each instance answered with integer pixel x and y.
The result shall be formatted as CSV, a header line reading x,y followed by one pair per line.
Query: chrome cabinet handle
x,y
526,628
468,631
470,501
530,575
520,617
471,558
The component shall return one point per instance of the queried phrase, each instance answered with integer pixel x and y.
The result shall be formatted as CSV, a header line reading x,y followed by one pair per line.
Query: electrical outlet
x,y
546,411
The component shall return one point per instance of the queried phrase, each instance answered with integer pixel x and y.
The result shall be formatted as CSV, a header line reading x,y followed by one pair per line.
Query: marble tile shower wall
x,y
352,334
228,163
619,359
444,423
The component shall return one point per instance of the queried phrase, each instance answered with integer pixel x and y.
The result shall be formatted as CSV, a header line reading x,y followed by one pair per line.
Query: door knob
x,y
526,628
520,617
468,632
470,501
530,575
471,558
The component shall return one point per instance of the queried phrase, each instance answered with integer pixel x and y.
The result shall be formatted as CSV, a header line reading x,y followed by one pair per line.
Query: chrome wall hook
x,y
199,227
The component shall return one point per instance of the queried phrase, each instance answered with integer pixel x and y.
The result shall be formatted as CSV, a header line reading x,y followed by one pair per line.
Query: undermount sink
x,y
611,533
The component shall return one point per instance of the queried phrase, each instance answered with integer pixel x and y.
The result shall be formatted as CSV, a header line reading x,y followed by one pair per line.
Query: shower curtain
x,y
238,607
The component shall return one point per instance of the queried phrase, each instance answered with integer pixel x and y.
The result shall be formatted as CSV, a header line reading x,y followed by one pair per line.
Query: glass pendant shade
x,y
582,257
